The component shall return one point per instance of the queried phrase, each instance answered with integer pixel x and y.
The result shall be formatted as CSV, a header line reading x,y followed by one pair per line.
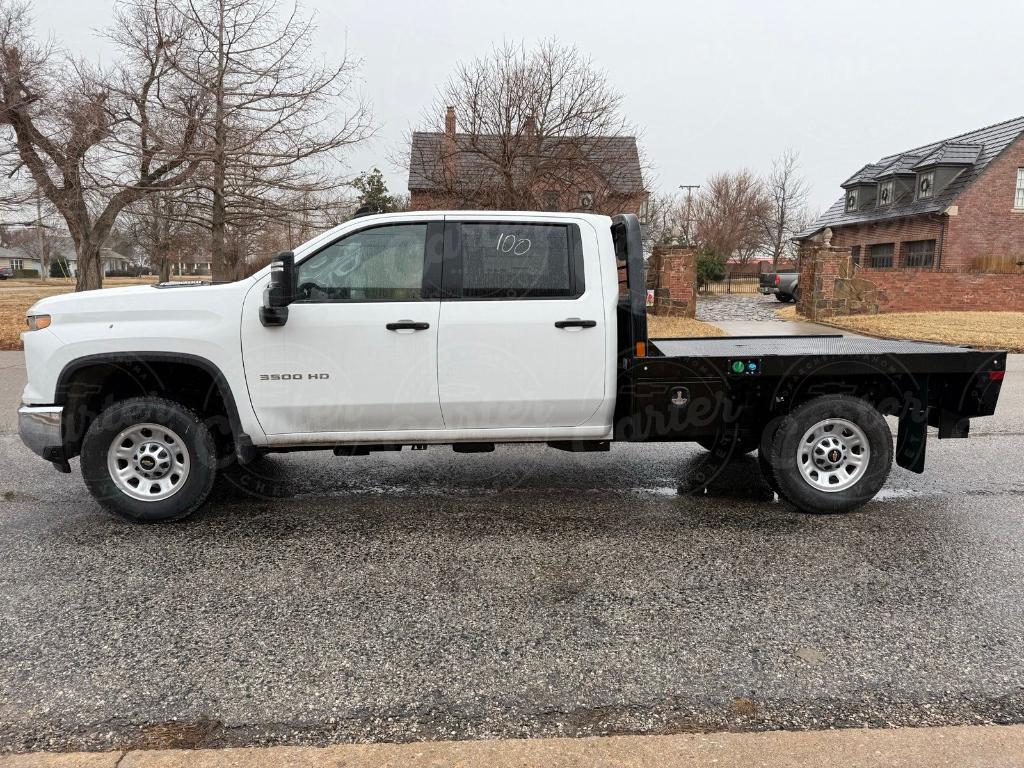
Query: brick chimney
x,y
530,129
449,122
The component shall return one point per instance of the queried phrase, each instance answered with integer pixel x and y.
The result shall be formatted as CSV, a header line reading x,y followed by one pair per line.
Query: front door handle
x,y
575,322
407,325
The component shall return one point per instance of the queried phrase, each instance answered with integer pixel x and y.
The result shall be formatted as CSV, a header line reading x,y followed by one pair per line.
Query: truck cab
x,y
466,329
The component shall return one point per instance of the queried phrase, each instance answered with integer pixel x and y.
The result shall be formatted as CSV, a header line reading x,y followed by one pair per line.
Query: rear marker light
x,y
996,375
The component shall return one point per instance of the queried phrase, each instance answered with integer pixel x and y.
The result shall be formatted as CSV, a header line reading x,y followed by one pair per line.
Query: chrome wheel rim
x,y
148,462
833,455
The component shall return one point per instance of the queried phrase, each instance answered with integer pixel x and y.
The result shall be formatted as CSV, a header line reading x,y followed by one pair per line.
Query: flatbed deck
x,y
776,354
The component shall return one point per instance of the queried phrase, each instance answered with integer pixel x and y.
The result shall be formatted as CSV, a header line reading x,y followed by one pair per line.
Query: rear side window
x,y
510,260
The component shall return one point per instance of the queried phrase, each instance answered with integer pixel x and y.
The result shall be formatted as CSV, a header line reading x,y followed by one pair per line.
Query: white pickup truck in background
x,y
465,329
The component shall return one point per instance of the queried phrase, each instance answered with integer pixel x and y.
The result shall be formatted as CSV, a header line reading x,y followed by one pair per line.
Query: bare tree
x,y
663,221
528,129
95,141
786,208
279,117
728,216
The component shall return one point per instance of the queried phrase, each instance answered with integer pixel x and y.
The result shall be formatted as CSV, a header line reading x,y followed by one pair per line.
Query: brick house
x,y
453,170
949,206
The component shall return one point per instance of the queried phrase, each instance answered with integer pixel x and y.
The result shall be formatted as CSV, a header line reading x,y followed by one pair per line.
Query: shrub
x,y
26,273
59,267
710,267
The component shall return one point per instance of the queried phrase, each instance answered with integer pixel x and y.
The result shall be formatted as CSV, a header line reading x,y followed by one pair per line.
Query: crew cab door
x,y
523,328
358,352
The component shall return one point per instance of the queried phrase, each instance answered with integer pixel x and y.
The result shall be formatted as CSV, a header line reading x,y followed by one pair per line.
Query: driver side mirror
x,y
281,291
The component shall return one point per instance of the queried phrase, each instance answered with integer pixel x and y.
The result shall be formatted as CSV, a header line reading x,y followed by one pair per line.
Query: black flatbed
x,y
777,354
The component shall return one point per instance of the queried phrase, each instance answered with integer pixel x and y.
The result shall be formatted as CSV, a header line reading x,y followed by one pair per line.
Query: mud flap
x,y
912,436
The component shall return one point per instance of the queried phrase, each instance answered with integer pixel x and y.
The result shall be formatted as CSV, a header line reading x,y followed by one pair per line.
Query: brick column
x,y
829,287
675,280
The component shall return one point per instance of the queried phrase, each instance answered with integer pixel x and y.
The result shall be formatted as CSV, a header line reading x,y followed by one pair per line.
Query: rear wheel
x,y
148,459
831,454
785,298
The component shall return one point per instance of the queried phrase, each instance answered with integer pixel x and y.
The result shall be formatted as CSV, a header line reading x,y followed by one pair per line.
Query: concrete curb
x,y
989,746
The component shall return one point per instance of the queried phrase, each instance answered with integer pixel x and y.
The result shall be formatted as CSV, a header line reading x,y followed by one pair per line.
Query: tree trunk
x,y
90,266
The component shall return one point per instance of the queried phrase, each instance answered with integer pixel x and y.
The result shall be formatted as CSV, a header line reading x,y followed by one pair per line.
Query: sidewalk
x,y
988,746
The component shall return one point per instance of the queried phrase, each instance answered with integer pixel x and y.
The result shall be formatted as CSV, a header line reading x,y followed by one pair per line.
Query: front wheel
x,y
148,459
832,454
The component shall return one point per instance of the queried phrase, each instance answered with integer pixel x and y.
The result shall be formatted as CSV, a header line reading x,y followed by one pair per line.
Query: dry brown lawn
x,y
675,327
16,296
987,330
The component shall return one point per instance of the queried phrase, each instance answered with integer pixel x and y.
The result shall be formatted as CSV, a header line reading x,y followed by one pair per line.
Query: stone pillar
x,y
829,287
674,281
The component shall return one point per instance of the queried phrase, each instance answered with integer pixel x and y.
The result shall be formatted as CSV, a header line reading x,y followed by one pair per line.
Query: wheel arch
x,y
88,384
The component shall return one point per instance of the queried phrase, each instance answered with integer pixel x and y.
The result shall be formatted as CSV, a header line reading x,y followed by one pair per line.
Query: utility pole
x,y
689,194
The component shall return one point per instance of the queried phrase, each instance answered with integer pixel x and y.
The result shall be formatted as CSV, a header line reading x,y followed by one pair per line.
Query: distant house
x,y
954,204
111,260
15,259
461,170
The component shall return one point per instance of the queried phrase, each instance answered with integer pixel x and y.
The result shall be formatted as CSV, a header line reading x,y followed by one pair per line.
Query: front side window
x,y
379,264
918,253
520,261
925,185
880,255
885,193
851,200
1018,198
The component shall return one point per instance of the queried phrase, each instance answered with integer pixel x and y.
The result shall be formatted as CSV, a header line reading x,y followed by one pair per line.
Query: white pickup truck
x,y
464,329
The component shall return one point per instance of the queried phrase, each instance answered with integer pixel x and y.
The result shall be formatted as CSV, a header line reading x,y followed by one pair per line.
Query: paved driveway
x,y
521,593
748,307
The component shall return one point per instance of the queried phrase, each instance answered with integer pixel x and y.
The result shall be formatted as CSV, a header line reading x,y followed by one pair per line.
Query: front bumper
x,y
41,429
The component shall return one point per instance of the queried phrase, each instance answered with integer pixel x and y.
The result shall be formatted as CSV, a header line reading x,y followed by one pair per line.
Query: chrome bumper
x,y
39,427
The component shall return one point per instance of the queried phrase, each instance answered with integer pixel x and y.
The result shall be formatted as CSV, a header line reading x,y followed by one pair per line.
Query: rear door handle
x,y
407,325
575,322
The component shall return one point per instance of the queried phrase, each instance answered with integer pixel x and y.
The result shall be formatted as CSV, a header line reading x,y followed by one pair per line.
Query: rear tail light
x,y
778,280
996,375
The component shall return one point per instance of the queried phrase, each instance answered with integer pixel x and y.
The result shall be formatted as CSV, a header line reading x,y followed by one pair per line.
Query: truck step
x,y
473,447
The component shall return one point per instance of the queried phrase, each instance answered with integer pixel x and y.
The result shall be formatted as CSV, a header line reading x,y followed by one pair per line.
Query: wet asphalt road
x,y
524,592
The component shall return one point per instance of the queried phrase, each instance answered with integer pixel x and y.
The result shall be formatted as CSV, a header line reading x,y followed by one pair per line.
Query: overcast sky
x,y
714,85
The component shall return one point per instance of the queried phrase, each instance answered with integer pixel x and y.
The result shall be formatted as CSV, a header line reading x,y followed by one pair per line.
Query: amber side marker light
x,y
641,349
37,322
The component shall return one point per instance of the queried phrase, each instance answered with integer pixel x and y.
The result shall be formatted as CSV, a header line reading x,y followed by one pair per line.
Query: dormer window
x,y
851,200
925,185
885,192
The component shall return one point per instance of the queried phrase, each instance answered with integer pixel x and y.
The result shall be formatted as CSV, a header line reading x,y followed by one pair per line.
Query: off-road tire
x,y
791,484
196,440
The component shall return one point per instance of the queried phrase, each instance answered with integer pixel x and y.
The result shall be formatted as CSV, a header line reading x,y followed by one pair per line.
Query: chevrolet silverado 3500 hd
x,y
464,329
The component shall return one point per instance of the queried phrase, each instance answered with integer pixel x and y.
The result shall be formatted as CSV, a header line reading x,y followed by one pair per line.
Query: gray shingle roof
x,y
952,153
616,158
984,144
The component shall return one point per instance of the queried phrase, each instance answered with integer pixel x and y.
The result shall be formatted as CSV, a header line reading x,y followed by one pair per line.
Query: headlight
x,y
38,322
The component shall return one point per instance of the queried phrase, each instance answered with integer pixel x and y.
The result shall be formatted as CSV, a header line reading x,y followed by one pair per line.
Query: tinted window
x,y
880,255
380,264
510,261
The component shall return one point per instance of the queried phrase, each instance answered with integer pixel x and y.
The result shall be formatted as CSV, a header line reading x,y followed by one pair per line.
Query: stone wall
x,y
673,276
831,286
